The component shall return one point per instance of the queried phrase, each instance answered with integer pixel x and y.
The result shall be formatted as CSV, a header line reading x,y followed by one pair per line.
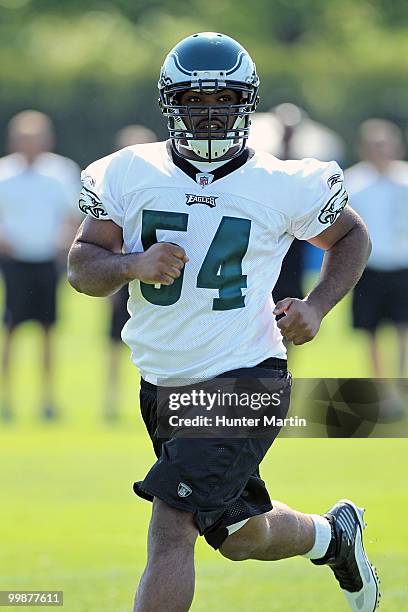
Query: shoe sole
x,y
363,563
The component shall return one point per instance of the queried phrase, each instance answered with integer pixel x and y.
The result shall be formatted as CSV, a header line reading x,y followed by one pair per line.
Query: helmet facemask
x,y
207,143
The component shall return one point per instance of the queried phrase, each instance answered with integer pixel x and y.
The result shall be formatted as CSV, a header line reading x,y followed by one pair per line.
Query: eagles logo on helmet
x,y
208,62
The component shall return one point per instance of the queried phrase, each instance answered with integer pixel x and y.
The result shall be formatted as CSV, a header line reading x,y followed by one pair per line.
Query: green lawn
x,y
69,520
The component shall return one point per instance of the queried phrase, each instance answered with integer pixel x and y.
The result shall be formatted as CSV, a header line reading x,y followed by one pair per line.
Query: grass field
x,y
69,520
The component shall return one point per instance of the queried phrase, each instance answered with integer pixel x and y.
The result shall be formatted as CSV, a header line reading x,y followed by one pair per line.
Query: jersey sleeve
x,y
101,193
320,198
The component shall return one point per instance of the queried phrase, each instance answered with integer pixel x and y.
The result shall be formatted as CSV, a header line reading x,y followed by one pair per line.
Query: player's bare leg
x,y
335,539
48,374
278,534
168,580
5,405
375,355
402,332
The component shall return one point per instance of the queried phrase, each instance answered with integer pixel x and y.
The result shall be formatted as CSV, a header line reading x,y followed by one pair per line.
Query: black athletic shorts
x,y
379,297
221,475
30,292
119,313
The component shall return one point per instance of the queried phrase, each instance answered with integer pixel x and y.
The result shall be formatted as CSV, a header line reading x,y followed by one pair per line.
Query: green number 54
x,y
222,265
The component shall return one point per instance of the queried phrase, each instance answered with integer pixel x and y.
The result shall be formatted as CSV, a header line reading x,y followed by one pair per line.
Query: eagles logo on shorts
x,y
89,202
335,205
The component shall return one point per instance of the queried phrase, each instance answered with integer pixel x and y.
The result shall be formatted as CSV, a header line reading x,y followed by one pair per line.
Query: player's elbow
x,y
73,269
369,245
83,281
76,273
74,280
364,237
82,284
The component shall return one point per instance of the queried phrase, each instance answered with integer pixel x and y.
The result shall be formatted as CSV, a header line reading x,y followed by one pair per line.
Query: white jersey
x,y
235,225
382,201
35,201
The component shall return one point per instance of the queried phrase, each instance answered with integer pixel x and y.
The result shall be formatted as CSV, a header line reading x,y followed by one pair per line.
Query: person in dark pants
x,y
378,186
37,189
299,137
290,277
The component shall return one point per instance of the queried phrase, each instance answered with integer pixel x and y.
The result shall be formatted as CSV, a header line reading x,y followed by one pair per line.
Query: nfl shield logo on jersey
x,y
204,178
183,490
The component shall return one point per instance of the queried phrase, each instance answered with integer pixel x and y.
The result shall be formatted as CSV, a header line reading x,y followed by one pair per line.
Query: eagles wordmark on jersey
x,y
235,228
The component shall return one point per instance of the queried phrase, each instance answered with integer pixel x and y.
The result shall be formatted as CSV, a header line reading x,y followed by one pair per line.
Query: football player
x,y
198,226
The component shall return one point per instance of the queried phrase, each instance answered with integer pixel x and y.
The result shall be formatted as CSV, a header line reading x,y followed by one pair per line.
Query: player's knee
x,y
243,544
171,527
237,549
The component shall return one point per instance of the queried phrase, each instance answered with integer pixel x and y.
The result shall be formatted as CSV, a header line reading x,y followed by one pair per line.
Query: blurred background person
x,y
38,191
126,137
287,132
378,189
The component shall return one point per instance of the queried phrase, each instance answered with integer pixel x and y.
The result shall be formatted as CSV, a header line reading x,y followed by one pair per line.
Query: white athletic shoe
x,y
346,556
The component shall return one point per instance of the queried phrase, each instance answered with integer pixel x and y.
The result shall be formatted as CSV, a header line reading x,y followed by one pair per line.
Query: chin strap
x,y
219,148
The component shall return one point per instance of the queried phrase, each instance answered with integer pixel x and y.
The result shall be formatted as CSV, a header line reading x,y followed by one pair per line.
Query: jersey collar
x,y
197,175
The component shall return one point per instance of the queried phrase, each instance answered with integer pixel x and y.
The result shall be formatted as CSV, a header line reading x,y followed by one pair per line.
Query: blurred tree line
x,y
93,66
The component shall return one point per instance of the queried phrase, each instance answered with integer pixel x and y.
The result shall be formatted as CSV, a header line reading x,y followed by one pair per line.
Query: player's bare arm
x,y
347,248
97,267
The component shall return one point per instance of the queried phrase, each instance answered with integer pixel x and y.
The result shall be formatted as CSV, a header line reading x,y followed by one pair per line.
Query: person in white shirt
x,y
37,221
378,185
199,226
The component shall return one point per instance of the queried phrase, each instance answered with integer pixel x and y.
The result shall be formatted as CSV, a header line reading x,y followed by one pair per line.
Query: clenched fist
x,y
300,321
161,264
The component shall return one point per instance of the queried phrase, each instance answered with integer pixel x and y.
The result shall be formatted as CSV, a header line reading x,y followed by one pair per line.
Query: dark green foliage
x,y
94,66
